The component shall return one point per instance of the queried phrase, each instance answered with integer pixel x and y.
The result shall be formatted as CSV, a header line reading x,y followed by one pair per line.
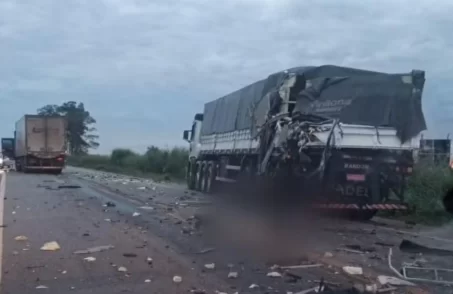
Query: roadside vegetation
x,y
426,189
157,163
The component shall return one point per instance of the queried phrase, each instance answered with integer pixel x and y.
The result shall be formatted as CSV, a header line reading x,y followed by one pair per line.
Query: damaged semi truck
x,y
339,138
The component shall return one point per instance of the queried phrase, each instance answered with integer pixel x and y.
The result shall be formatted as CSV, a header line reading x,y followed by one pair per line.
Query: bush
x,y
426,189
155,161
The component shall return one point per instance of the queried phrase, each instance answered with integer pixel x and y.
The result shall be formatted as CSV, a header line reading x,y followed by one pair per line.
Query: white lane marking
x,y
2,200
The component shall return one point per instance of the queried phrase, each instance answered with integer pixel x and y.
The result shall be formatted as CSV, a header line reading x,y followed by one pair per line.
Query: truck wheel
x,y
191,176
210,175
18,166
199,177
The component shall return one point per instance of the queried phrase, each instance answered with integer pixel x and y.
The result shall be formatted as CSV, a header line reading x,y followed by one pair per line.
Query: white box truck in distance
x,y
40,143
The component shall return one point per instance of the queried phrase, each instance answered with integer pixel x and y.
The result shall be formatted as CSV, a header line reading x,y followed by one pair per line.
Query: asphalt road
x,y
150,235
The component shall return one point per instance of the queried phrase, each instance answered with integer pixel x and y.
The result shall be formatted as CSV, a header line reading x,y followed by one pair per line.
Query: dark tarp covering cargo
x,y
351,95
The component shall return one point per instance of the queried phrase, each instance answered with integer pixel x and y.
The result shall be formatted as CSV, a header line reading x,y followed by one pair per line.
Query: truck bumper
x,y
377,206
43,167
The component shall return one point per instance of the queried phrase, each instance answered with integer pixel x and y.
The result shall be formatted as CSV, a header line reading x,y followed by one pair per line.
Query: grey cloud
x,y
196,50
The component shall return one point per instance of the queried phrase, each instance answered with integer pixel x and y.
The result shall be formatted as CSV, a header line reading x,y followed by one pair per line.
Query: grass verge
x,y
156,163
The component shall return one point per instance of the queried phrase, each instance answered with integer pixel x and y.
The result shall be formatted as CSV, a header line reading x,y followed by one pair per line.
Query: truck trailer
x,y
340,138
40,143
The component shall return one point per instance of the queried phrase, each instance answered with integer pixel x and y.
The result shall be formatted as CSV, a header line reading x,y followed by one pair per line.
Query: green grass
x,y
156,163
426,188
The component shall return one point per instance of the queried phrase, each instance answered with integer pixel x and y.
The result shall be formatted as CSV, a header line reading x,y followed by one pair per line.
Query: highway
x,y
118,234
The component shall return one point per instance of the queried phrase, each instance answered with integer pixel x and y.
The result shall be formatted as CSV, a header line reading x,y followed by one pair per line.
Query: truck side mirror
x,y
186,135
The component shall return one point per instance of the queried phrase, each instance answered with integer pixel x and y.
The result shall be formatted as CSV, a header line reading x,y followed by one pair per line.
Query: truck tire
x,y
199,177
209,179
191,176
18,166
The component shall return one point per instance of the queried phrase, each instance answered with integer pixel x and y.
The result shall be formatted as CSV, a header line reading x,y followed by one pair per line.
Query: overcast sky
x,y
143,68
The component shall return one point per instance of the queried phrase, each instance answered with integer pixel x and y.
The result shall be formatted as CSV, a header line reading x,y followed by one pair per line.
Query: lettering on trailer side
x,y
356,166
352,190
330,105
49,130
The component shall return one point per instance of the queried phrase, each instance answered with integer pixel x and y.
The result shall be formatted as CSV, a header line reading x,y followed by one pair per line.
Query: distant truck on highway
x,y
341,137
40,143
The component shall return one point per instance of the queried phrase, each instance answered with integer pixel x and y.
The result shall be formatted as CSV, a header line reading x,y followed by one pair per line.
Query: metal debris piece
x,y
274,275
233,275
353,270
307,291
147,281
177,279
388,280
141,188
210,266
135,214
69,187
95,249
51,246
301,266
90,259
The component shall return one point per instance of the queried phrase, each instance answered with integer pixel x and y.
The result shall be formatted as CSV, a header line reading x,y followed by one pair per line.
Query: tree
x,y
80,127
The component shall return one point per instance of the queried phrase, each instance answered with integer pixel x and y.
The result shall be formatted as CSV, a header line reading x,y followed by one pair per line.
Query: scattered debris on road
x,y
210,266
353,270
233,275
110,204
69,187
206,250
122,269
302,266
177,279
129,255
95,249
393,281
42,287
274,275
90,259
254,286
135,214
21,238
51,246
